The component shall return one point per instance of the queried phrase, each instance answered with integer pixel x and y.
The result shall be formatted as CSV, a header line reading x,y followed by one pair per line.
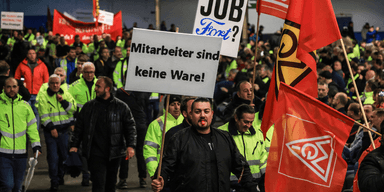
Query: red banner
x,y
69,28
309,25
307,145
277,8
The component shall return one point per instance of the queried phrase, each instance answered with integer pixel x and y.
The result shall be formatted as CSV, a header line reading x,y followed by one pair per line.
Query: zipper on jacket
x,y
86,93
6,116
51,104
242,137
13,125
255,148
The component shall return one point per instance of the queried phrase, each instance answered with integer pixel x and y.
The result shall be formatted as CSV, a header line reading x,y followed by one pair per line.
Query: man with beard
x,y
106,129
13,145
201,158
56,108
35,73
153,138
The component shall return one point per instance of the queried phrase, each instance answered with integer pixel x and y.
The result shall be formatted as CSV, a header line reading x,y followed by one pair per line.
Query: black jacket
x,y
136,101
122,130
187,161
371,171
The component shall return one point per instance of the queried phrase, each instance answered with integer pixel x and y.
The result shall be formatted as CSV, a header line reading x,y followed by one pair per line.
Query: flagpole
x,y
163,136
254,60
367,128
357,94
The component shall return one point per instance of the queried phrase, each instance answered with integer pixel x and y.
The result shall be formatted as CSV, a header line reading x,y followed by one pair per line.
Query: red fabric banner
x,y
69,28
309,25
277,8
49,19
307,145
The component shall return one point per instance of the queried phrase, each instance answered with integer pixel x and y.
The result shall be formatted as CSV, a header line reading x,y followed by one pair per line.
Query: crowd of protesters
x,y
90,75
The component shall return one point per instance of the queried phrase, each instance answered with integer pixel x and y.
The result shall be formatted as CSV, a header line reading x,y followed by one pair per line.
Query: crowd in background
x,y
31,48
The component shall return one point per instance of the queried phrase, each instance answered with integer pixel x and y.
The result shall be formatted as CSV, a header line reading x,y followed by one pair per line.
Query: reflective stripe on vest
x,y
13,136
12,151
160,123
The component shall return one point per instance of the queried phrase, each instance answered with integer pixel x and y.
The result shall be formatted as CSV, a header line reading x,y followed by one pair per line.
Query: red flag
x,y
49,20
307,145
310,25
277,8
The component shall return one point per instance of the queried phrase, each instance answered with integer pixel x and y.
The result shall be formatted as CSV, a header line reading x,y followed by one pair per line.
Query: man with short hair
x,y
322,89
249,141
153,138
69,63
103,64
35,73
106,129
75,75
353,112
4,74
362,141
63,85
56,108
83,90
120,70
339,102
80,44
62,50
243,96
17,122
201,158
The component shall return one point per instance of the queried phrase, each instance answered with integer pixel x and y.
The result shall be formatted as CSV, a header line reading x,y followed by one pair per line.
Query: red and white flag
x,y
277,8
307,144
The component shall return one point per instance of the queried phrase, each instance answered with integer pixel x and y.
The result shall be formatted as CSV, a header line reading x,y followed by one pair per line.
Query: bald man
x,y
339,102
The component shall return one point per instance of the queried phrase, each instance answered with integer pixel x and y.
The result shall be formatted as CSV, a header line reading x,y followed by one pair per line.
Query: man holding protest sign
x,y
201,158
153,138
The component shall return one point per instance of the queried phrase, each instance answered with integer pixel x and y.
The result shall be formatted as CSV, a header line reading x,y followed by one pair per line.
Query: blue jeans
x,y
57,153
32,102
12,173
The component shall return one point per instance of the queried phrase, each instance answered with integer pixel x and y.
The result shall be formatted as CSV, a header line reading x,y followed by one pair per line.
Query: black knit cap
x,y
172,99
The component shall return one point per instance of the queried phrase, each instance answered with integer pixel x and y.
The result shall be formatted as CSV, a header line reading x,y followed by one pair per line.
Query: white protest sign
x,y
173,63
12,20
106,17
221,19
